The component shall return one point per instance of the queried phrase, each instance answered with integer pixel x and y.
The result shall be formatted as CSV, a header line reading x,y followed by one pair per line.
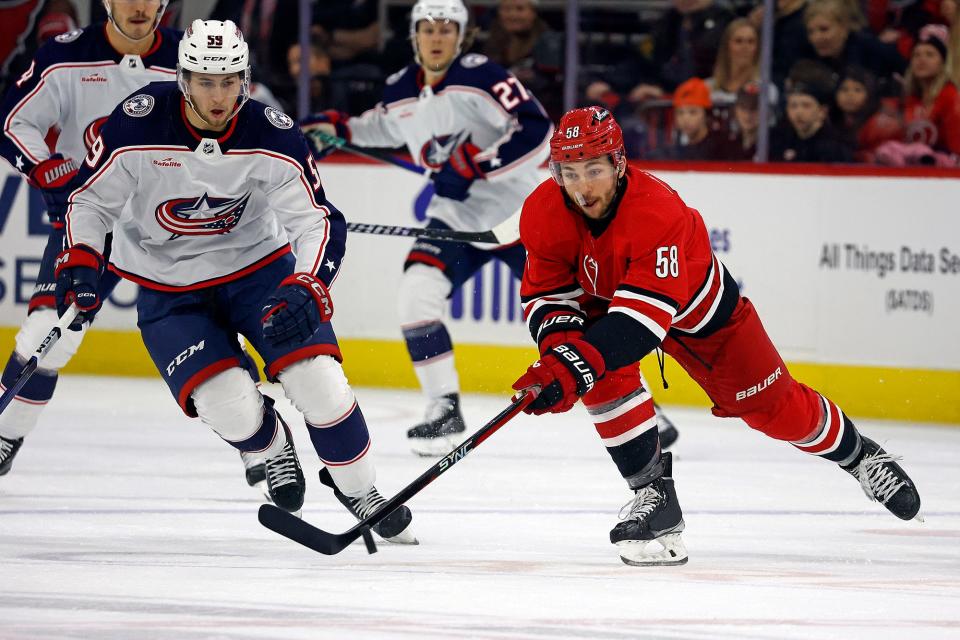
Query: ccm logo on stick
x,y
760,386
186,353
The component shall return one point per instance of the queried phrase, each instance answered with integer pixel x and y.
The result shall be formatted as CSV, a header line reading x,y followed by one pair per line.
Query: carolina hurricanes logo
x,y
92,132
591,270
437,150
203,216
922,130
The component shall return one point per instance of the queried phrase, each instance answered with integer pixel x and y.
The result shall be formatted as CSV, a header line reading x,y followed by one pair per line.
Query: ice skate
x,y
668,431
394,528
284,477
653,516
255,468
442,429
8,451
884,481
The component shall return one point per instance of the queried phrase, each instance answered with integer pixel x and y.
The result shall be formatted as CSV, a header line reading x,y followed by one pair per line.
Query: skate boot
x,y
8,451
255,468
884,481
653,515
394,528
284,477
441,430
668,432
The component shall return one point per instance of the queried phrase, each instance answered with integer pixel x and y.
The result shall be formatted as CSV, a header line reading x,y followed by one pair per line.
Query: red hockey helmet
x,y
582,134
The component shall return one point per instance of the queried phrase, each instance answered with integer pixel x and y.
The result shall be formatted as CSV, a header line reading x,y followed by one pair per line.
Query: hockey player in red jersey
x,y
617,266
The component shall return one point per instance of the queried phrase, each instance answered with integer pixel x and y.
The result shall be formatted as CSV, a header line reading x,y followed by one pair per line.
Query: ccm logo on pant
x,y
760,386
186,353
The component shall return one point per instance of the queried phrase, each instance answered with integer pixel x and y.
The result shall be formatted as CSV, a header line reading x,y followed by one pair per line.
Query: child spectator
x,y
742,142
861,117
807,135
691,121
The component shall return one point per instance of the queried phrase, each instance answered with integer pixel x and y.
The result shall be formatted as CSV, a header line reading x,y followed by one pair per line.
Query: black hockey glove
x,y
294,312
53,177
77,272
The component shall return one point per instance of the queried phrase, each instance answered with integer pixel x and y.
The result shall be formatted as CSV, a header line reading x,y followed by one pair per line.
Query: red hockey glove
x,y
77,273
53,177
564,374
330,122
559,327
295,311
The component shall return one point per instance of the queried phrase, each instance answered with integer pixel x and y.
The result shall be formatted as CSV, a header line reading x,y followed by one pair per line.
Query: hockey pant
x,y
745,377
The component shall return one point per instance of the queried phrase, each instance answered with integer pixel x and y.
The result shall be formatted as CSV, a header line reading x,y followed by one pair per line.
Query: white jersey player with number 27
x,y
482,136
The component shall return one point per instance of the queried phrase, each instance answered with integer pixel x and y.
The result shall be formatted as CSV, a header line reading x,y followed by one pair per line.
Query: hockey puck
x,y
368,540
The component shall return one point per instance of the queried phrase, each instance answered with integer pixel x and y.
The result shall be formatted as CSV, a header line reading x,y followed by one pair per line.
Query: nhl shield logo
x,y
208,147
138,106
278,118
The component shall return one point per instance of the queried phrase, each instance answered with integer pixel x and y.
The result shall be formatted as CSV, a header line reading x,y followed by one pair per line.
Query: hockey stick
x,y
329,140
292,527
507,232
31,365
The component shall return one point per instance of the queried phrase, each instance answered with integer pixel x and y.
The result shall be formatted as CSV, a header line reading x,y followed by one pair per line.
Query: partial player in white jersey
x,y
73,84
218,212
483,136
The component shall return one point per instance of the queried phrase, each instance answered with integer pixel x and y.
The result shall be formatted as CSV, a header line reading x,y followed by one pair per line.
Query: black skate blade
x,y
293,528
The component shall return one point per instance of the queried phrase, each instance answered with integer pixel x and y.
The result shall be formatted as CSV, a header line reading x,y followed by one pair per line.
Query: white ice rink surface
x,y
123,519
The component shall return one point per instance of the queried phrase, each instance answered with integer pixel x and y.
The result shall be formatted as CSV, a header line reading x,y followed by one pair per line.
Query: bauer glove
x,y
53,177
563,375
296,309
77,273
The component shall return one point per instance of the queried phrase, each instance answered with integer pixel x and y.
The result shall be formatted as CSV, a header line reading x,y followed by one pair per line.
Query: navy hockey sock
x,y
426,342
342,440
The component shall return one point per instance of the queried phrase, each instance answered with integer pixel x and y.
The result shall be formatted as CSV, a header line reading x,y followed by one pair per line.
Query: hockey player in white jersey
x,y
483,135
72,85
219,214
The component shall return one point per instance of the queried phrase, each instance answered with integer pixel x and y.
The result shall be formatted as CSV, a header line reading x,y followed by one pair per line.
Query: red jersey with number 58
x,y
650,261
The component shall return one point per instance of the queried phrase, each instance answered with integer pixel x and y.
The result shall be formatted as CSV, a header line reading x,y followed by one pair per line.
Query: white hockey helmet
x,y
108,5
438,11
214,47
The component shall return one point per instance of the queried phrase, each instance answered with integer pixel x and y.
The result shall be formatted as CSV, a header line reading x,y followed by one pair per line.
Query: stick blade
x,y
293,528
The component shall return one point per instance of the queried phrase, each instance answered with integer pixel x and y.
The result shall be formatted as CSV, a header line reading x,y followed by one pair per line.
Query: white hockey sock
x,y
354,479
438,376
19,418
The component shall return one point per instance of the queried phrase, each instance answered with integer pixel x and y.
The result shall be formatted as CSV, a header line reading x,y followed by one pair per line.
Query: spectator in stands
x,y
807,135
789,36
350,31
738,63
696,139
320,67
899,21
931,109
861,117
685,42
522,42
950,10
831,30
741,144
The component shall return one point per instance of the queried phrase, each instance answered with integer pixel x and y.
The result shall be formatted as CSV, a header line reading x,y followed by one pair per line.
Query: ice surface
x,y
123,519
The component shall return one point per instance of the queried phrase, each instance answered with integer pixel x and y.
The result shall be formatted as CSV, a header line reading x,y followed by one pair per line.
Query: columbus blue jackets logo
x,y
278,118
138,106
436,151
69,36
203,216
